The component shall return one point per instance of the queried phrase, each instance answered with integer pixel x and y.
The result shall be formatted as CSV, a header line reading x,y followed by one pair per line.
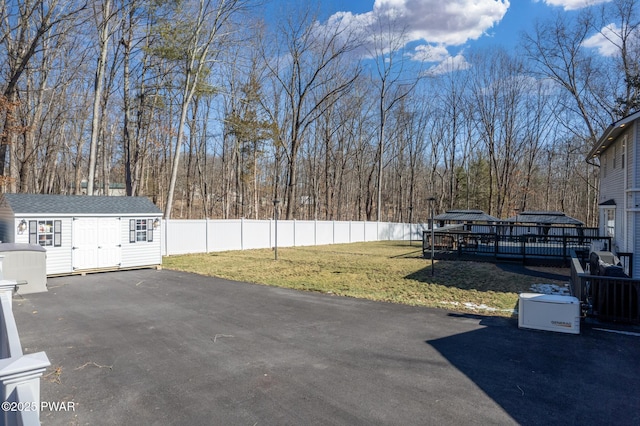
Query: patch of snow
x,y
476,307
562,290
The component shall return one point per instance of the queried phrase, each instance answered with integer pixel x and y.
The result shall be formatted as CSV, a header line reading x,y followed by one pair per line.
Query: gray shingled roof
x,y
79,204
466,216
545,218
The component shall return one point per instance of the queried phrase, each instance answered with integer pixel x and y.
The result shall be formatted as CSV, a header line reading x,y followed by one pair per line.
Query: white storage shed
x,y
84,233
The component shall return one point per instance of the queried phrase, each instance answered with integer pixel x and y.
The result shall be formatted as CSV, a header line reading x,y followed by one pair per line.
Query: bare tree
x,y
393,85
556,49
102,18
195,43
22,30
499,87
620,25
312,75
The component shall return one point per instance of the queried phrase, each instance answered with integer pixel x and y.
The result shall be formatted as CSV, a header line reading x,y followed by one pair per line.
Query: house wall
x,y
7,231
634,198
613,171
141,253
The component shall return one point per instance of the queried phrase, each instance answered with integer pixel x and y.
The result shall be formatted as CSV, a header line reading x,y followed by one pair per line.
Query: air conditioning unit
x,y
549,312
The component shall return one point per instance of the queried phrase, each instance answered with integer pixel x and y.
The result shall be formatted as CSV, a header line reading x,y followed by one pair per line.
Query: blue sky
x,y
452,27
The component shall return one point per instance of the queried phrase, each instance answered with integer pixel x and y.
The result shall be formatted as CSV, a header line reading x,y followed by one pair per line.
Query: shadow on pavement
x,y
551,378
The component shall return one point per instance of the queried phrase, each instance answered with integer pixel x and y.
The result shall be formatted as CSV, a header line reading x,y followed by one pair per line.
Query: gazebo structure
x,y
454,225
468,218
531,236
544,223
544,218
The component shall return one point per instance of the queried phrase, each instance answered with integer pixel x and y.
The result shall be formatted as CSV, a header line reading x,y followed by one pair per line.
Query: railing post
x,y
20,382
19,374
7,286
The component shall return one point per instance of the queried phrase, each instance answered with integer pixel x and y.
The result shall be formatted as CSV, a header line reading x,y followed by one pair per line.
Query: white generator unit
x,y
549,312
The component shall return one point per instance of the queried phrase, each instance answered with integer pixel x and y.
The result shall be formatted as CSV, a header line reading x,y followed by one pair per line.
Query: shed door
x,y
109,247
96,243
84,241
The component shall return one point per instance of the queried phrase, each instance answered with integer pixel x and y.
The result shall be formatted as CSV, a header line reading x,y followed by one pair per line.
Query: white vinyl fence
x,y
181,236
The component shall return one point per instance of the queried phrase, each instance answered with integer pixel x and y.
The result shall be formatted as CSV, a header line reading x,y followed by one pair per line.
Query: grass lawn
x,y
389,271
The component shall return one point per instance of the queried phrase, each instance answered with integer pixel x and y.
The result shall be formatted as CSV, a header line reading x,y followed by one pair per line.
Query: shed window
x,y
140,230
47,233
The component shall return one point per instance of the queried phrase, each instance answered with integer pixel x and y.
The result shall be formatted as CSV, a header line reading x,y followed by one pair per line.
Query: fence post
x,y
206,234
242,233
333,222
166,237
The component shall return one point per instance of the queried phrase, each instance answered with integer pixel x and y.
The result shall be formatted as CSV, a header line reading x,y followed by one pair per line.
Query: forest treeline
x,y
213,111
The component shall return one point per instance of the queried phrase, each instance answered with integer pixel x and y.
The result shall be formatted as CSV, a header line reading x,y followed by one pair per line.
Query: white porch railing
x,y
19,374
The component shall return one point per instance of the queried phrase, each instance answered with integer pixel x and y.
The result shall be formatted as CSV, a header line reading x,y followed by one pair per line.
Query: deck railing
x,y
516,242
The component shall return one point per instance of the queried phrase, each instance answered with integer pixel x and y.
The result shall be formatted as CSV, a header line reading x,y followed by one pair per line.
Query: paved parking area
x,y
154,347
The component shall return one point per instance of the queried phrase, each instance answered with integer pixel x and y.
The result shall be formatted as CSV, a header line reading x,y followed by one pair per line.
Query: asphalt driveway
x,y
169,348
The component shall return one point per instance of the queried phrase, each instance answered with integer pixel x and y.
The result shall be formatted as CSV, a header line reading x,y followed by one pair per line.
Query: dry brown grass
x,y
383,271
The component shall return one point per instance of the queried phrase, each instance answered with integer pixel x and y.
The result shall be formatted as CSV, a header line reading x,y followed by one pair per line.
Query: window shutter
x,y
132,230
57,233
33,232
149,230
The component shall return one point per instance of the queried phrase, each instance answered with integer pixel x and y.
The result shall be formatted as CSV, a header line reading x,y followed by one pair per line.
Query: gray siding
x,y
612,187
634,157
636,249
632,197
7,230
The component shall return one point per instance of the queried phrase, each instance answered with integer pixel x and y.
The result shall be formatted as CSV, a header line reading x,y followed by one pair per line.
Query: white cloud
x,y
609,38
433,24
449,64
574,4
450,23
604,41
430,53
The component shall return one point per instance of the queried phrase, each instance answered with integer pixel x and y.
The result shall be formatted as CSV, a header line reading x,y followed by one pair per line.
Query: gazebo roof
x,y
466,216
544,218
